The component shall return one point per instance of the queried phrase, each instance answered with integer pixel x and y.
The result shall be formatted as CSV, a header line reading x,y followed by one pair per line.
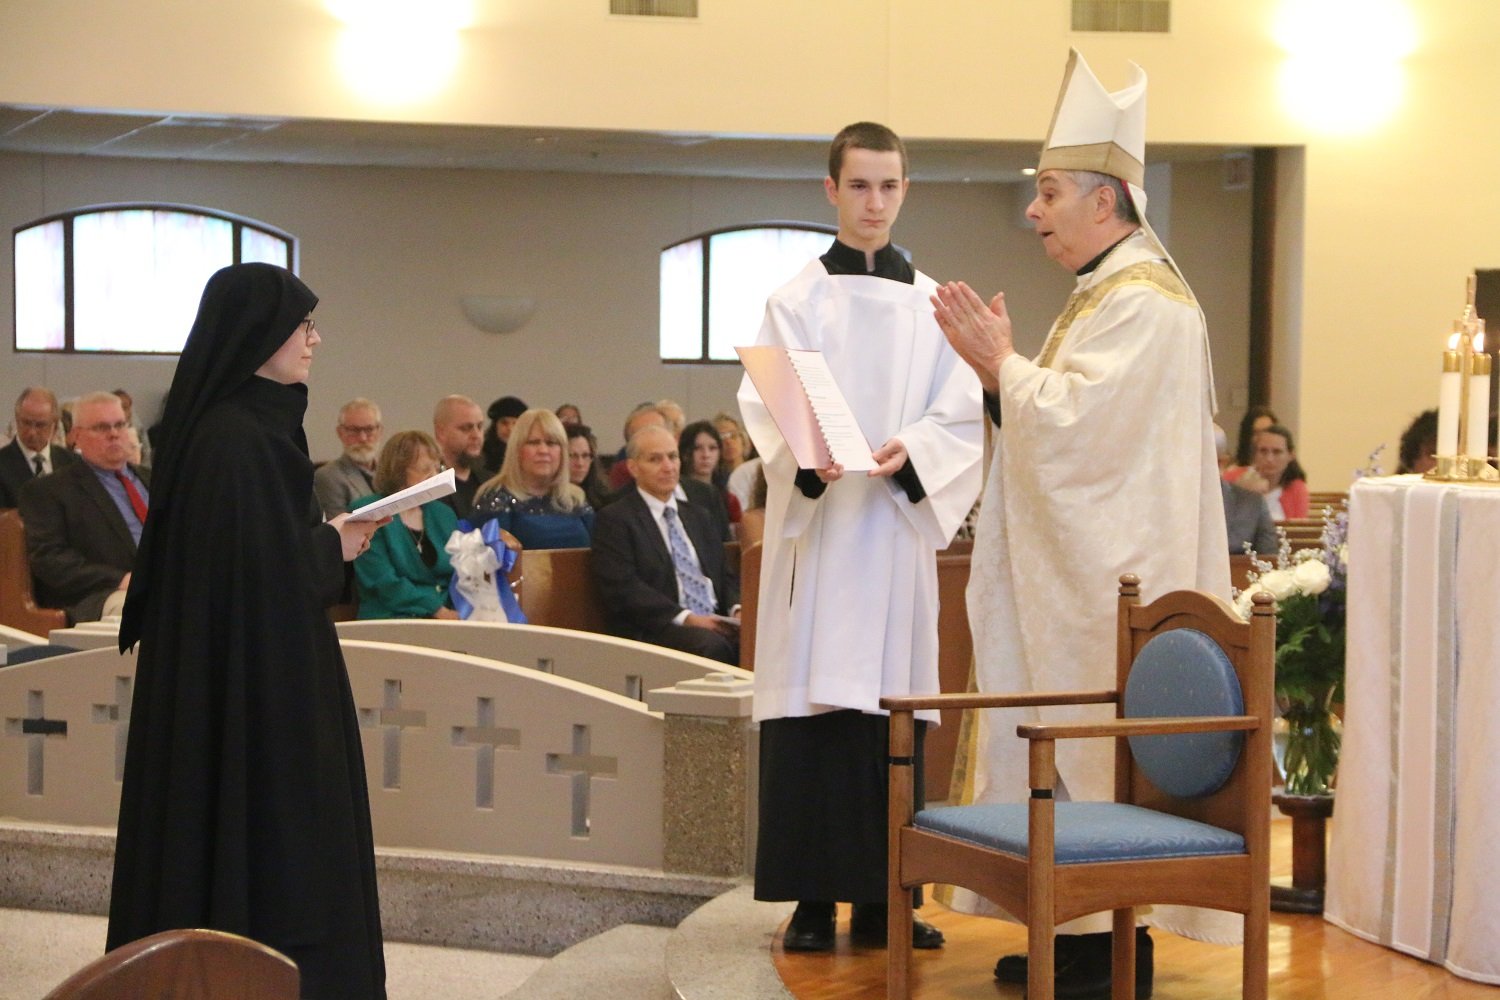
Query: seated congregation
x,y
568,581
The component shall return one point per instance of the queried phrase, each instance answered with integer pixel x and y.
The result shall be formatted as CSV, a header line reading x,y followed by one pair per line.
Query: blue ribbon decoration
x,y
489,532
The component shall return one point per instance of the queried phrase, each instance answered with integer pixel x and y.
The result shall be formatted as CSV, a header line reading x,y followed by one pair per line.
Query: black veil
x,y
247,312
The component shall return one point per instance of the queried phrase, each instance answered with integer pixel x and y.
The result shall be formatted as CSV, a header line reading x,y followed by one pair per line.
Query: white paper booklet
x,y
431,488
809,409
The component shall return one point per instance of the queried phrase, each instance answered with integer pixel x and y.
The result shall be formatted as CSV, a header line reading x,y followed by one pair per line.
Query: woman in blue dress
x,y
532,497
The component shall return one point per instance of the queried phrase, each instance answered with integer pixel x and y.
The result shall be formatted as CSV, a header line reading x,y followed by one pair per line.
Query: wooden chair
x,y
18,607
1190,823
185,965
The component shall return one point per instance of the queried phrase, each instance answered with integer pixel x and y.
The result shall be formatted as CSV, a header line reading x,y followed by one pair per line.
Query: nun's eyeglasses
x,y
312,327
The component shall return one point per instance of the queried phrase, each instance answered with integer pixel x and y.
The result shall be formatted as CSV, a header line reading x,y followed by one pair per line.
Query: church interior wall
x,y
392,251
1393,220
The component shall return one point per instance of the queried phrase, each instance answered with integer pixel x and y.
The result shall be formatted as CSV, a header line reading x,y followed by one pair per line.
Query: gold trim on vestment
x,y
1157,275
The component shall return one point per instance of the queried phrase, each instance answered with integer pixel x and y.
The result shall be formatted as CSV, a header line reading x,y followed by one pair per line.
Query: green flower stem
x,y
1312,746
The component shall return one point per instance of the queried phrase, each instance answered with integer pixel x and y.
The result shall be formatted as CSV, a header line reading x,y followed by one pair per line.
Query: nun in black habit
x,y
244,806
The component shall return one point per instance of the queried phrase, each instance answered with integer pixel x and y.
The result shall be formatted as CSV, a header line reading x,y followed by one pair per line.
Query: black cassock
x,y
244,806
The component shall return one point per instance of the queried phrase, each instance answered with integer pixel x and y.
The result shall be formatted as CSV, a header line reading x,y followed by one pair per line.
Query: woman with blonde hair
x,y
532,496
738,463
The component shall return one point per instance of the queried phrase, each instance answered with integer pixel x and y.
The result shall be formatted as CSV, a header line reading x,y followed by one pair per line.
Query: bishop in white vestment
x,y
1105,464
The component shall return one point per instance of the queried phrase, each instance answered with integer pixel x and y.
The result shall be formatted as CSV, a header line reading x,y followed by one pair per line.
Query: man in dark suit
x,y
84,521
32,453
687,600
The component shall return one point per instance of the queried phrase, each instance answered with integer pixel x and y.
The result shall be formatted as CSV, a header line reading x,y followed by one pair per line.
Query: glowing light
x,y
1343,73
397,53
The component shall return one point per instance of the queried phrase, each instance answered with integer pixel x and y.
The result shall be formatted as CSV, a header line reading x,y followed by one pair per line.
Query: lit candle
x,y
1448,393
1479,403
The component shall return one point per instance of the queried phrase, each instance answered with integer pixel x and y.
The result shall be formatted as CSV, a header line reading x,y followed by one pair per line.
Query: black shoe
x,y
867,928
810,929
1081,966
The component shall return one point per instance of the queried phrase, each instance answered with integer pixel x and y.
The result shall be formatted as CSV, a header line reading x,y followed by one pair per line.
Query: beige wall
x,y
1391,218
391,252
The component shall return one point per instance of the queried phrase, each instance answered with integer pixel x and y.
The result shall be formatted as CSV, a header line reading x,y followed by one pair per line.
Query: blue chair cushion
x,y
1184,672
1085,831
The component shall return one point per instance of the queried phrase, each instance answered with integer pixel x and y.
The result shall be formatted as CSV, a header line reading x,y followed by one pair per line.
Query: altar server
x,y
848,591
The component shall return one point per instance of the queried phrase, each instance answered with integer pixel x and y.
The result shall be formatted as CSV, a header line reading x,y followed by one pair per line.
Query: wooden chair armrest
x,y
1136,727
909,703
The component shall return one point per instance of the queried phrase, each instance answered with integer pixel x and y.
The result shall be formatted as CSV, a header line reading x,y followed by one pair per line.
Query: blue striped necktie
x,y
694,587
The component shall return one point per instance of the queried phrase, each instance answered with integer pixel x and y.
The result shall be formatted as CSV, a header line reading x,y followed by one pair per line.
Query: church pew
x,y
955,659
16,638
462,753
620,666
1303,532
18,607
1240,568
1337,499
749,601
555,588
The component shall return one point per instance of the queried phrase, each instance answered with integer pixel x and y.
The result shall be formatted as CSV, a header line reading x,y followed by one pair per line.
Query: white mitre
x,y
1094,129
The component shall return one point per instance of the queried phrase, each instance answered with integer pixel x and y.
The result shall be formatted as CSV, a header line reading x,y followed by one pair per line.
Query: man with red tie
x,y
84,521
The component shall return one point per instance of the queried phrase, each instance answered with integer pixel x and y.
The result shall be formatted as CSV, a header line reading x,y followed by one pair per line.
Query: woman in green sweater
x,y
405,572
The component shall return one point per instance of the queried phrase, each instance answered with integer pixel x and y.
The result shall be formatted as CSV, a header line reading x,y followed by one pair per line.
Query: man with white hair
x,y
351,475
84,521
32,453
1104,465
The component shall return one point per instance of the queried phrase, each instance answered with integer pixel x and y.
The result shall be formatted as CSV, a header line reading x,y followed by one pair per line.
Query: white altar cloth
x,y
1415,859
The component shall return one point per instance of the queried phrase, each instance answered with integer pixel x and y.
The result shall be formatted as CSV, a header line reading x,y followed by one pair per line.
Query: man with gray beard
x,y
336,484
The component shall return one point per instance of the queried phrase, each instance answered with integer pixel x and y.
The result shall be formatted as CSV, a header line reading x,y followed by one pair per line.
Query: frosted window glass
x,y
258,246
138,276
40,306
745,267
682,301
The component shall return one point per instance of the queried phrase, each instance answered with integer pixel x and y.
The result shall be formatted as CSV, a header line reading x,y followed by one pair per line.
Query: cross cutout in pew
x,y
484,738
35,728
584,767
117,715
392,718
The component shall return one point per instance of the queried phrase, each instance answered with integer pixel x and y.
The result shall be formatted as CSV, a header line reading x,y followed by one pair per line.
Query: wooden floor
x,y
1310,960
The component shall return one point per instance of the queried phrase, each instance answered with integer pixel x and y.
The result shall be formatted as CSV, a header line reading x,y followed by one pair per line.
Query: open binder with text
x,y
808,407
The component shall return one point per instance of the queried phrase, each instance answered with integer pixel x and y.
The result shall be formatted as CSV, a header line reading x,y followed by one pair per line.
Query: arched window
x,y
127,278
714,285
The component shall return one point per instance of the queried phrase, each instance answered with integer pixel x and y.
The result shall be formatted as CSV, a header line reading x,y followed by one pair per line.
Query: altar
x,y
1415,859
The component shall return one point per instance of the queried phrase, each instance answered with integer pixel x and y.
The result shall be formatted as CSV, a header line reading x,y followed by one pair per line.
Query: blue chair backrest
x,y
1184,672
